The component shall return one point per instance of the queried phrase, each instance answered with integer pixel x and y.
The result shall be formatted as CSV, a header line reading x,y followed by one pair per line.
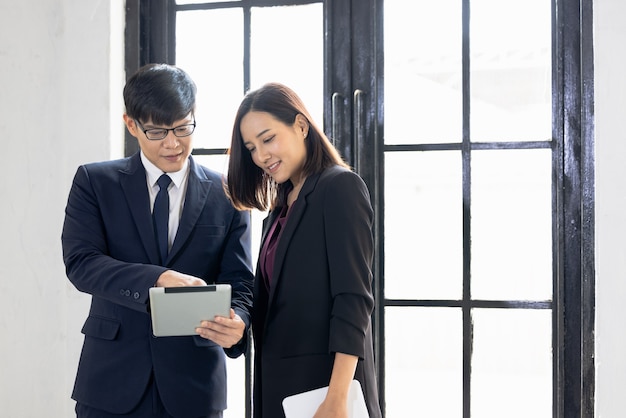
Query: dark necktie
x,y
160,215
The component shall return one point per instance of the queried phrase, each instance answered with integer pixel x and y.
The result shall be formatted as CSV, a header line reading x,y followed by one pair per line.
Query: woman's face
x,y
277,148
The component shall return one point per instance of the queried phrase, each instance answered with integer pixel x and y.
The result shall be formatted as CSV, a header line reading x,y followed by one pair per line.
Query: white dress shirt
x,y
176,191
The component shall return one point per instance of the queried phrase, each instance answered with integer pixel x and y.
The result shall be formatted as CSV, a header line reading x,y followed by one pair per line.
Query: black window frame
x,y
149,37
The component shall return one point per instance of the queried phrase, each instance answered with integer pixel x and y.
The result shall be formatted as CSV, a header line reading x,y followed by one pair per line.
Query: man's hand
x,y
171,278
223,331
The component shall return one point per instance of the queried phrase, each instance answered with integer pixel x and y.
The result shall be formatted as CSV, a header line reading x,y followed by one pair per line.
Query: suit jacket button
x,y
122,292
127,292
136,295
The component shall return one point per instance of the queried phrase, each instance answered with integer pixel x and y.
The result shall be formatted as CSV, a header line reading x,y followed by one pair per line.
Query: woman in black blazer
x,y
312,296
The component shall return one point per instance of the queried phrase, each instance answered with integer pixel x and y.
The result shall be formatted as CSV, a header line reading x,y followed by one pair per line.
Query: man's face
x,y
168,154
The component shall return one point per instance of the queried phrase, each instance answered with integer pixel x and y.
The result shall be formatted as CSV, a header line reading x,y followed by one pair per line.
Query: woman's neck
x,y
293,194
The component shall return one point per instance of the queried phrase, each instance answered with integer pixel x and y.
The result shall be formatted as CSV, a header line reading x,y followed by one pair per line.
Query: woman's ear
x,y
303,124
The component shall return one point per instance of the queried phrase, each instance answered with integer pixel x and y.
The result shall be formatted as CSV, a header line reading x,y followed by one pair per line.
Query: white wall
x,y
61,69
610,109
58,59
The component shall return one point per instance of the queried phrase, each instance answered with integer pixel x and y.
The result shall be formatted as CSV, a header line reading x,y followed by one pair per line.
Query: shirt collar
x,y
153,172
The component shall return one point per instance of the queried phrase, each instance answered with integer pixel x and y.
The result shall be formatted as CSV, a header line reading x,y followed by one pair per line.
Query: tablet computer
x,y
178,311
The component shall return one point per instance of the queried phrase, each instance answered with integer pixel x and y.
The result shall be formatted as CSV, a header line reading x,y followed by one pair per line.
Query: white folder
x,y
304,405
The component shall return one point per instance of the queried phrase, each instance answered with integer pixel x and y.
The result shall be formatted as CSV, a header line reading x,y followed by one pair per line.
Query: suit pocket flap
x,y
103,328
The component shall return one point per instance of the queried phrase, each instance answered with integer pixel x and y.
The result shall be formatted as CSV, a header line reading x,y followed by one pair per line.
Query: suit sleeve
x,y
88,263
348,220
236,270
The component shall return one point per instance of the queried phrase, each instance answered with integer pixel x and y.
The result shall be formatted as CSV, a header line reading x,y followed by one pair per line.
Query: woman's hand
x,y
332,409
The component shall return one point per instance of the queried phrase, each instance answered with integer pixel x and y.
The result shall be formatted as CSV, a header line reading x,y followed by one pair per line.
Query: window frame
x,y
149,37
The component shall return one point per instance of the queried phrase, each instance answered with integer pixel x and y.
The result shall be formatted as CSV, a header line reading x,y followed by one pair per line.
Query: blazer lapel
x,y
297,211
134,186
268,222
198,188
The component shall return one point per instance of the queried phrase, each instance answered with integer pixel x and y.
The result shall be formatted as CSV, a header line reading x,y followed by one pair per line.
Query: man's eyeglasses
x,y
156,134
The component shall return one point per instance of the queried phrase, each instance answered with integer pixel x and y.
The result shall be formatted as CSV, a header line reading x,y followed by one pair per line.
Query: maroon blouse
x,y
268,252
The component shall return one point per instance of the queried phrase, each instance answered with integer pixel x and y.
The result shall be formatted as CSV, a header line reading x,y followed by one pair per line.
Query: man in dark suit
x,y
111,251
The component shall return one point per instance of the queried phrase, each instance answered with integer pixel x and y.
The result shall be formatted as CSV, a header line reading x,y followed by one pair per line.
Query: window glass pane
x,y
216,67
423,362
236,382
512,363
422,44
423,225
511,224
218,163
510,70
288,47
297,61
216,64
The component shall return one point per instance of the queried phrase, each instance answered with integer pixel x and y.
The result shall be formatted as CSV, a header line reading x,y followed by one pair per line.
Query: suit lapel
x,y
198,188
134,186
297,211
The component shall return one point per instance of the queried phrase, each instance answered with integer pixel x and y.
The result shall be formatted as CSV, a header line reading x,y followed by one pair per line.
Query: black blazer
x,y
321,298
110,252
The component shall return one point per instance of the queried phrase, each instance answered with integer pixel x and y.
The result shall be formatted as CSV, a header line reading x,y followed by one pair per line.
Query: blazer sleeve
x,y
236,269
85,250
348,220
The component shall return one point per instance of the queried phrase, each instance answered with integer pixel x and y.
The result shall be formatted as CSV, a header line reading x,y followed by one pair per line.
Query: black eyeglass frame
x,y
167,130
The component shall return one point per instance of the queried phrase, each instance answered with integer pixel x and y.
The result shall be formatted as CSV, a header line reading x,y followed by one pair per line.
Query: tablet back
x,y
178,310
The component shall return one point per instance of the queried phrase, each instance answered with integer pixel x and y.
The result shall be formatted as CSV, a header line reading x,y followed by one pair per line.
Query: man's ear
x,y
131,125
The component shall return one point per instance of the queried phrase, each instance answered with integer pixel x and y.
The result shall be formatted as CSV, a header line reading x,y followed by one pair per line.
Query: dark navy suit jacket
x,y
110,252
